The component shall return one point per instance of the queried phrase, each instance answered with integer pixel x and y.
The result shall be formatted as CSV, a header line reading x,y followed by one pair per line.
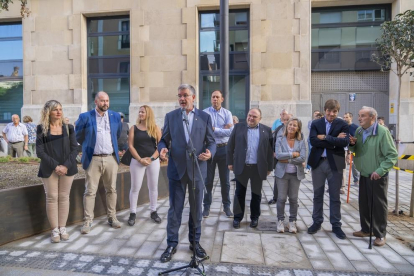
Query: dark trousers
x,y
249,172
219,160
380,208
177,191
319,175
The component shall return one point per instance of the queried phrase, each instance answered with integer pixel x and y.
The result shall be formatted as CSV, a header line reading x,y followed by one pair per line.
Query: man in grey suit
x,y
250,156
180,166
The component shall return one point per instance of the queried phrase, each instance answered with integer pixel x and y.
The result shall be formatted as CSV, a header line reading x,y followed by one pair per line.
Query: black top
x,y
54,150
144,144
57,146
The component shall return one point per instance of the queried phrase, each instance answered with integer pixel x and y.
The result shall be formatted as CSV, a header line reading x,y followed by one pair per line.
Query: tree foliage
x,y
396,44
24,11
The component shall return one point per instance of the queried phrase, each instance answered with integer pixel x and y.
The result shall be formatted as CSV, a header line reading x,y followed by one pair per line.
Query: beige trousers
x,y
16,150
107,168
57,190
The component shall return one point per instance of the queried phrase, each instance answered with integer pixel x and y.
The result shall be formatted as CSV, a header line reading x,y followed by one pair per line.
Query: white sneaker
x,y
292,227
63,234
307,171
55,235
280,226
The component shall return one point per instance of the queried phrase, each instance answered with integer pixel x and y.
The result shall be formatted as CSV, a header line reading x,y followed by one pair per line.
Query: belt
x,y
104,155
250,165
16,142
324,158
221,145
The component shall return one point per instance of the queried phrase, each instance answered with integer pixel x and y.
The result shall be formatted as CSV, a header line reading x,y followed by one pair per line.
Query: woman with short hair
x,y
290,153
56,147
31,130
143,140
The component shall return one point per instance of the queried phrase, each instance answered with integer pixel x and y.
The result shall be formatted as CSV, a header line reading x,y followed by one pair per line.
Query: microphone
x,y
184,115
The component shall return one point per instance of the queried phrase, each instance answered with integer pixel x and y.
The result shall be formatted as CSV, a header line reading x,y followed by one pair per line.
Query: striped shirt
x,y
15,133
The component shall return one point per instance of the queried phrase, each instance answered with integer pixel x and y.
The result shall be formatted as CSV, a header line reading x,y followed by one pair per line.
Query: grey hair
x,y
284,110
187,86
372,111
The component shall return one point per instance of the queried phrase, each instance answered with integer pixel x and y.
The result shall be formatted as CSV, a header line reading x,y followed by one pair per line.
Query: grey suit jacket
x,y
282,153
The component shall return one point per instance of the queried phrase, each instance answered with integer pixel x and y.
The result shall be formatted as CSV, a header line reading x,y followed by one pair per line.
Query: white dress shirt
x,y
103,136
14,133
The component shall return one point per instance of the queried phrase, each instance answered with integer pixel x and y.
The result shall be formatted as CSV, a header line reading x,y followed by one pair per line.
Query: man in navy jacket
x,y
98,132
180,167
328,137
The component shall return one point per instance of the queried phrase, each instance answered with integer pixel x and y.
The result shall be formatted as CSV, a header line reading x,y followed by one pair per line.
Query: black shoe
x,y
167,255
254,223
155,217
236,224
228,212
273,201
200,252
206,212
314,228
339,233
131,220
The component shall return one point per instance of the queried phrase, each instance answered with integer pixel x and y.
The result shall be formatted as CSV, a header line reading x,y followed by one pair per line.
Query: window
x,y
343,38
11,70
209,41
109,61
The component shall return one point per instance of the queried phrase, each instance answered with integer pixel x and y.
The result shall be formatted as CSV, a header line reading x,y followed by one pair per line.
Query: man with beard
x,y
98,132
180,167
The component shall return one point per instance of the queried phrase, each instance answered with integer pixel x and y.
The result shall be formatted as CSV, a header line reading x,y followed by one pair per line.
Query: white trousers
x,y
137,175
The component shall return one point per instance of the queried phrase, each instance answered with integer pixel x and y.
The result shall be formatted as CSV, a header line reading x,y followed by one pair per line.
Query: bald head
x,y
102,101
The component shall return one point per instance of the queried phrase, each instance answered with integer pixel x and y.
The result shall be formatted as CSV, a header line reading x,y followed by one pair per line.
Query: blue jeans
x,y
219,160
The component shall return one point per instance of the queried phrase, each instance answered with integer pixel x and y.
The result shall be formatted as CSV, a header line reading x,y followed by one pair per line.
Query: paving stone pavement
x,y
245,251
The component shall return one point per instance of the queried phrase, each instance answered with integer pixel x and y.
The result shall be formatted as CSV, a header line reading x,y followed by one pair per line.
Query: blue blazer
x,y
86,134
201,135
334,146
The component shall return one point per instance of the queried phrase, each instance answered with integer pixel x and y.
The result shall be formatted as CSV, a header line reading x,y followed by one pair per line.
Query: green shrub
x,y
23,159
4,159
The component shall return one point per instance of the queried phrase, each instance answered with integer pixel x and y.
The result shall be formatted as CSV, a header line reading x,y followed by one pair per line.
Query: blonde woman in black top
x,y
143,139
56,147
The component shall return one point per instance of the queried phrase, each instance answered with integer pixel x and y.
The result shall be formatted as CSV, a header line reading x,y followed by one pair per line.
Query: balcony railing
x,y
343,60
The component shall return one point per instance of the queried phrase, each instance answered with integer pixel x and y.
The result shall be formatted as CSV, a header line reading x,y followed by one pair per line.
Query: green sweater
x,y
378,153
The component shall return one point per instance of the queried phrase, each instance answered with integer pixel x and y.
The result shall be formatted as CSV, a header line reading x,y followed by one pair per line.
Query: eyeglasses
x,y
183,96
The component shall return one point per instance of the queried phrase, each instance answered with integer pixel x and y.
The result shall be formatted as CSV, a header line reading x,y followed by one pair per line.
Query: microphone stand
x,y
195,262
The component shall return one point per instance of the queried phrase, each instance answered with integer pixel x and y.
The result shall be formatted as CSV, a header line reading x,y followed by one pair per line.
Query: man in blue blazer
x,y
175,141
98,132
328,137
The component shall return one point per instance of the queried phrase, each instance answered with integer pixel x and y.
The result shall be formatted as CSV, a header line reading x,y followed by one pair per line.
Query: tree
x,y
24,11
396,46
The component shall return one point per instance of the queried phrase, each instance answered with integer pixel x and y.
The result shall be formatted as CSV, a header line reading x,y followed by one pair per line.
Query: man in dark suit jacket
x,y
180,167
250,156
328,137
98,132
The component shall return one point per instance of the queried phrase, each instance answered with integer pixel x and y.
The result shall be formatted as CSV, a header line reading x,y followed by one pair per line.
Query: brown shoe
x,y
379,241
360,234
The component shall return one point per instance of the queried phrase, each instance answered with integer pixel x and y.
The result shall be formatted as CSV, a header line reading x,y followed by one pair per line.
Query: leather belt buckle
x,y
250,165
324,158
221,145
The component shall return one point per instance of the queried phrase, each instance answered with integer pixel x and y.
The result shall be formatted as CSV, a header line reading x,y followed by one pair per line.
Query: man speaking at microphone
x,y
180,166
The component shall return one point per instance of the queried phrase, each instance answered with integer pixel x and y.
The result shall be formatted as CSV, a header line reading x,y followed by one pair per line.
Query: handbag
x,y
126,158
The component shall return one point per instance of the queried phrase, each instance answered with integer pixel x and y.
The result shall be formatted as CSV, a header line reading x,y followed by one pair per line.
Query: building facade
x,y
290,54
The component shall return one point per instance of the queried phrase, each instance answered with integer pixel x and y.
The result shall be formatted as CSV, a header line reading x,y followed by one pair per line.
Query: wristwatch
x,y
153,159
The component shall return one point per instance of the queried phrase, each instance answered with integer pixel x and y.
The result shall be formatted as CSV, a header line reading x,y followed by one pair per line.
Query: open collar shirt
x,y
220,118
253,135
14,133
103,136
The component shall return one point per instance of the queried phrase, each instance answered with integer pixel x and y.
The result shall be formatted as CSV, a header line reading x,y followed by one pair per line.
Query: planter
x,y
23,210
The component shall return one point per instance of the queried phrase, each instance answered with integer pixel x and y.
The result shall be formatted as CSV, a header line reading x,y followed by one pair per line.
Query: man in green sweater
x,y
375,155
